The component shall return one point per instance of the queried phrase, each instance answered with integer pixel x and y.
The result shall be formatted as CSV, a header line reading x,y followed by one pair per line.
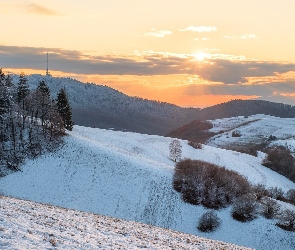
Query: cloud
x,y
13,6
41,10
234,71
158,33
246,36
199,28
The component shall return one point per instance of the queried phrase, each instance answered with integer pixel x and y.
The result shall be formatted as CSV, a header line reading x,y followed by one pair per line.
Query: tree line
x,y
31,121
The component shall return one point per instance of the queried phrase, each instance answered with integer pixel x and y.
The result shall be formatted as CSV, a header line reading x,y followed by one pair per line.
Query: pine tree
x,y
43,96
43,88
64,109
4,96
22,88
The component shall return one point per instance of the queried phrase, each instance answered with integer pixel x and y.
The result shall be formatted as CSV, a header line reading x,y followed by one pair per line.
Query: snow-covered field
x,y
29,225
256,128
129,176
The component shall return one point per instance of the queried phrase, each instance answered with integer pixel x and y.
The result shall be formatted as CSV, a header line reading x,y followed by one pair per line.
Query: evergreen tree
x,y
43,88
9,81
64,109
43,102
22,88
4,96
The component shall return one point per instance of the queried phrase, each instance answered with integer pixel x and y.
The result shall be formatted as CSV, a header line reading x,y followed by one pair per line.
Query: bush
x,y
204,183
276,193
290,195
244,208
280,159
259,191
236,134
287,220
270,208
195,145
209,222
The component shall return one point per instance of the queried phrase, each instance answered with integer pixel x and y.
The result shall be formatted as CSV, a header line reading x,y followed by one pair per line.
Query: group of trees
x,y
30,120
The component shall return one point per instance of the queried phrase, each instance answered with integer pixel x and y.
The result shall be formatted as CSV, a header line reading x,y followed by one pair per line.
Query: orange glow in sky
x,y
190,53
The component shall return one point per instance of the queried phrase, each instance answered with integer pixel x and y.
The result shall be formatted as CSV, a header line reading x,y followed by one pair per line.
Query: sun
x,y
200,56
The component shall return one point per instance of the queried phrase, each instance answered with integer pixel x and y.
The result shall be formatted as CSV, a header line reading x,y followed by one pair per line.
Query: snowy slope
x,y
29,225
256,129
129,176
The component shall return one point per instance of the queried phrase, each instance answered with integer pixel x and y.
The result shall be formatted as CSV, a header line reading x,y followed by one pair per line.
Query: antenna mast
x,y
47,71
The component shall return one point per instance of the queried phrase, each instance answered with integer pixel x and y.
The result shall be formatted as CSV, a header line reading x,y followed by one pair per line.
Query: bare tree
x,y
175,150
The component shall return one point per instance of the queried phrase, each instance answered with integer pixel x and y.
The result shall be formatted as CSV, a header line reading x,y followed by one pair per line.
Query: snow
x,y
256,128
129,176
30,225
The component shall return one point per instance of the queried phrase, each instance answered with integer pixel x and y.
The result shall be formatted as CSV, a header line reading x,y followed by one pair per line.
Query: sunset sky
x,y
188,52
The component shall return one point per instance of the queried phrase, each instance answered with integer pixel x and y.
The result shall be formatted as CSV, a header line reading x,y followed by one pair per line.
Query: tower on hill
x,y
47,70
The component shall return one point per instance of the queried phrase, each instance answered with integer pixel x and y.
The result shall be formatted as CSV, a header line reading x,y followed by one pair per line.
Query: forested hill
x,y
247,108
103,107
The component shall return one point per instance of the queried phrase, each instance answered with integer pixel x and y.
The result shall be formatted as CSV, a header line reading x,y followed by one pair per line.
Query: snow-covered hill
x,y
253,129
30,225
129,176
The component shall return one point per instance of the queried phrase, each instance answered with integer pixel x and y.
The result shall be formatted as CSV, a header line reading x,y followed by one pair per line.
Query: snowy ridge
x,y
129,176
30,225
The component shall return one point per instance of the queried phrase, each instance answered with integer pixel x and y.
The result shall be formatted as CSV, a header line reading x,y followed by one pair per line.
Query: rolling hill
x,y
129,176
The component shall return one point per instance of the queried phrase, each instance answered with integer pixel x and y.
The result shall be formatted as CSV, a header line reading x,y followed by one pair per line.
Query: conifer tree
x,y
22,88
43,88
64,109
43,96
4,96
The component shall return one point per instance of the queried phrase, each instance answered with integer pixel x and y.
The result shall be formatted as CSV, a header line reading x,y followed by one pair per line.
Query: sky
x,y
190,52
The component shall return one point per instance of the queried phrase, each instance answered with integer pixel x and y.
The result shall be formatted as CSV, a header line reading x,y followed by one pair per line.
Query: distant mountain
x,y
246,108
103,107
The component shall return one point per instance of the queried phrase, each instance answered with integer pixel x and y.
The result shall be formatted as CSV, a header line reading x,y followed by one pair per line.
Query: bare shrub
x,y
244,208
204,183
195,145
276,193
290,195
259,191
270,208
280,159
236,134
209,222
287,220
